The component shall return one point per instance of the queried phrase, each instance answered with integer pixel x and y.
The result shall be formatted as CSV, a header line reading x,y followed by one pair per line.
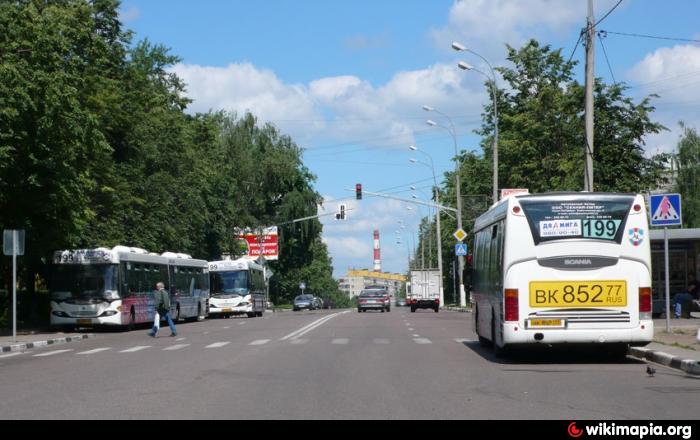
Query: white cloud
x,y
672,73
490,24
130,14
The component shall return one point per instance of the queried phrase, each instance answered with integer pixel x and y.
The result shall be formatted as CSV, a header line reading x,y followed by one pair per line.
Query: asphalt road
x,y
330,365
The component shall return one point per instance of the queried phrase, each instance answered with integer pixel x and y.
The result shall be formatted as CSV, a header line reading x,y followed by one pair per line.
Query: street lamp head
x,y
428,108
464,66
412,160
414,196
458,46
431,122
413,187
412,148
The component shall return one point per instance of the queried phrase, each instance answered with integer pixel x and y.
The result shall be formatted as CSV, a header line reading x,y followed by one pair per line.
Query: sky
x,y
347,80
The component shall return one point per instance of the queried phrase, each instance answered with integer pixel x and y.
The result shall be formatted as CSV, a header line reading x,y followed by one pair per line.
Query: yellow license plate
x,y
228,310
606,293
84,321
545,323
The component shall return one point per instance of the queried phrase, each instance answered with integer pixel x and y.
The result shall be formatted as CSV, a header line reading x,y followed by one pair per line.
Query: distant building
x,y
356,280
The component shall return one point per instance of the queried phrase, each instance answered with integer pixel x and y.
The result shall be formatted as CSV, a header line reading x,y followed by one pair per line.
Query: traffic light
x,y
358,191
341,214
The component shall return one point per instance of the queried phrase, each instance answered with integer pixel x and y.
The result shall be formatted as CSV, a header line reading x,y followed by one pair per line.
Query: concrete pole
x,y
590,79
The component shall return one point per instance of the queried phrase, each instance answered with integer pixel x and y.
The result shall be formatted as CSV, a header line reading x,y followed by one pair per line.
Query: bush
x,y
32,310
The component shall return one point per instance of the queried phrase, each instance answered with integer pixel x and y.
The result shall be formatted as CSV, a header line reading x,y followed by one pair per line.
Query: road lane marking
x,y
341,341
411,329
10,355
135,349
260,342
180,339
381,341
51,353
307,328
422,341
97,350
175,347
226,328
217,344
299,341
461,340
416,336
241,323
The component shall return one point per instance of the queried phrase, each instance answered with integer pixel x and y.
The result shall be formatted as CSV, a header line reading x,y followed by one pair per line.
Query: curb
x,y
54,341
457,309
690,366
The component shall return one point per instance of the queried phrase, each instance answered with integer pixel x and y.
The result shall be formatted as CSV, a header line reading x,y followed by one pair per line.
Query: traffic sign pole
x,y
14,286
668,283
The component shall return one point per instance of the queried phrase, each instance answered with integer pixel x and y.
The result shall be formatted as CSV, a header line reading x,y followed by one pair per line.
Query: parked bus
x,y
237,287
563,268
114,287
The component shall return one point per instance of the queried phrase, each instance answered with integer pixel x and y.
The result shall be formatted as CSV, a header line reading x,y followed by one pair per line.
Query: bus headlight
x,y
60,314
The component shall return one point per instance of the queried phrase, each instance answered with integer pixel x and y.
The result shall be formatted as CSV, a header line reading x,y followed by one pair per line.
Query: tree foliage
x,y
688,180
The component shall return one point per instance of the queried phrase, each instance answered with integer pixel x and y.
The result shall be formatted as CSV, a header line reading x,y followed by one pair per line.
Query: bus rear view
x,y
564,268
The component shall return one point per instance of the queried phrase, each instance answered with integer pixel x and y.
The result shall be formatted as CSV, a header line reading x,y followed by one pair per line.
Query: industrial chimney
x,y
377,258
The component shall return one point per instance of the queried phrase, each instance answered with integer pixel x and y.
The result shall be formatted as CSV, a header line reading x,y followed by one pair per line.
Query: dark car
x,y
303,302
318,302
373,300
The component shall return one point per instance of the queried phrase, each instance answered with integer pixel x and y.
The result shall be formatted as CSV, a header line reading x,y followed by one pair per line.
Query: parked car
x,y
373,300
302,302
401,302
318,302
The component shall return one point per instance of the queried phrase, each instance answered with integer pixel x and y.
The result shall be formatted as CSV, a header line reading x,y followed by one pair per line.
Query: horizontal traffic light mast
x,y
418,202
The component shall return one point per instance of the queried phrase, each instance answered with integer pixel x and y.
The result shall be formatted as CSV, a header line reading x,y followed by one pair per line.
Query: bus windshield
x,y
90,281
580,217
229,283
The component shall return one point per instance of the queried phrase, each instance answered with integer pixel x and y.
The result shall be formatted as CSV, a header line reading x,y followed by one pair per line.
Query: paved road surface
x,y
330,365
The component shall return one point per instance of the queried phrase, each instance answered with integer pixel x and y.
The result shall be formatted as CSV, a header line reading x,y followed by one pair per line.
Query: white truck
x,y
425,290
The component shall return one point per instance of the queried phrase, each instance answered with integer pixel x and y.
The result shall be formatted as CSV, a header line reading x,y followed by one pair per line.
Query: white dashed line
x,y
176,347
340,341
226,328
411,329
299,341
416,336
464,340
422,341
51,353
180,339
381,341
10,355
135,349
260,342
217,345
97,350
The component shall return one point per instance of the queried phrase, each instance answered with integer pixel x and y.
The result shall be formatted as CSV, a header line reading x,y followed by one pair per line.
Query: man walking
x,y
162,306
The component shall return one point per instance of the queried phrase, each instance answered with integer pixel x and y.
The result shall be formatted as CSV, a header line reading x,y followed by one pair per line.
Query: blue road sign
x,y
461,249
665,210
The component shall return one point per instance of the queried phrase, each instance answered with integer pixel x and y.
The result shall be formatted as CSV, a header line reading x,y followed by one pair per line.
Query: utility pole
x,y
590,79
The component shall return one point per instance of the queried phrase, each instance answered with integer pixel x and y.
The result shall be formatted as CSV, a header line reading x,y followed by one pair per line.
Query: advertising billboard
x,y
269,242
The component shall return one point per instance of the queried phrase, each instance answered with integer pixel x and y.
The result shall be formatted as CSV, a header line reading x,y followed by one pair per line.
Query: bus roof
x,y
228,265
103,255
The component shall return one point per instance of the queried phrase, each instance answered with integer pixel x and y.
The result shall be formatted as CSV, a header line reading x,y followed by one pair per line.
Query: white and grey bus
x,y
114,287
237,287
563,268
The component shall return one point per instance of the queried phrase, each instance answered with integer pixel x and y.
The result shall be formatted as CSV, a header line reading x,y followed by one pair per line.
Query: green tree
x,y
688,180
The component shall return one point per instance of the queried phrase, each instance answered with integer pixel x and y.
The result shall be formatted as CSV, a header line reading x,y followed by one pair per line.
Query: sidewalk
x,y
33,339
677,349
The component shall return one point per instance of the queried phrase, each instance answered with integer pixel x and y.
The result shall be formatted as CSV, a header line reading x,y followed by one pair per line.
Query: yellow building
x,y
356,280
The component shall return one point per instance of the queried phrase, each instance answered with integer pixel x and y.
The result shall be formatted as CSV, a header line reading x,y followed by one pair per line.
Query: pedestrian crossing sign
x,y
665,210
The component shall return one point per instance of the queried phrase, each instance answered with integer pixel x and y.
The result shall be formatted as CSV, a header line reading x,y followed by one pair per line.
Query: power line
x,y
576,46
609,12
606,58
656,37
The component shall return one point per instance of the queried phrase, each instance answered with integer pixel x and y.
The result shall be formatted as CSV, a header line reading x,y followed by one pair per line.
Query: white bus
x,y
237,287
114,287
563,268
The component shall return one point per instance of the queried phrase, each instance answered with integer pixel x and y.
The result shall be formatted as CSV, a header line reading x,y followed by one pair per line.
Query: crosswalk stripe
x,y
175,347
51,353
422,341
260,342
217,344
341,341
97,350
180,339
135,349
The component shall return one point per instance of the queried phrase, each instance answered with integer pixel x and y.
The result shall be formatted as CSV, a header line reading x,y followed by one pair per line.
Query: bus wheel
x,y
498,351
260,314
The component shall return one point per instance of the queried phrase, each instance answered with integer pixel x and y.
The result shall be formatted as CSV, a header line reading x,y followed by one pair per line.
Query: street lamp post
x,y
464,66
437,222
462,296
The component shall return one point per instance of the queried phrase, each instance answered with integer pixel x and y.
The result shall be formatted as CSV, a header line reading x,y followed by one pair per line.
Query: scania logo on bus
x,y
577,262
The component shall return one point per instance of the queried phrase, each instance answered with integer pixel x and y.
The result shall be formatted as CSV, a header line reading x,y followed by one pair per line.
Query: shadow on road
x,y
545,355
